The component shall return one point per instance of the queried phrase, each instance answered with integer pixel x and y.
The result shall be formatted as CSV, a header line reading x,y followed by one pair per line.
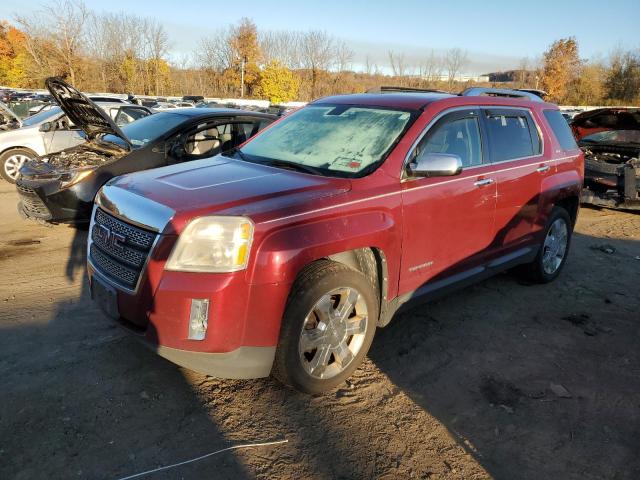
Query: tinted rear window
x,y
512,135
560,129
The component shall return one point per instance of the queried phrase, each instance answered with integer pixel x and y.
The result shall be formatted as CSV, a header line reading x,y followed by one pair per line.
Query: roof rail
x,y
386,89
500,92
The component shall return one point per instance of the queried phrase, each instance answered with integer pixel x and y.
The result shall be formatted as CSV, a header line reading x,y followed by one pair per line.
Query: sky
x,y
496,34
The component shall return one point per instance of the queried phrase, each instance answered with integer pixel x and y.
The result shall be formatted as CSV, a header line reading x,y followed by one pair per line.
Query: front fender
x,y
283,253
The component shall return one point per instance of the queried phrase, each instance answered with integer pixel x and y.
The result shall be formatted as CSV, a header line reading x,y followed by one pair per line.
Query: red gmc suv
x,y
284,255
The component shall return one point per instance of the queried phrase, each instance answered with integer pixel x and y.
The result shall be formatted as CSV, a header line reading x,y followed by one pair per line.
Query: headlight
x,y
213,244
72,178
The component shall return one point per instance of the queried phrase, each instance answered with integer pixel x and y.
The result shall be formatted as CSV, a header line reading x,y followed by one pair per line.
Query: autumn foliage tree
x,y
14,59
561,66
277,83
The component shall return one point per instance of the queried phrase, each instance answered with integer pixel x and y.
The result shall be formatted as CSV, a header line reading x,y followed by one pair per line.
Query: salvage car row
x,y
253,251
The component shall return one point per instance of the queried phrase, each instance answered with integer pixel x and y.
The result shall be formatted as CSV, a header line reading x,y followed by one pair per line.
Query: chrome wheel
x,y
555,246
333,333
13,163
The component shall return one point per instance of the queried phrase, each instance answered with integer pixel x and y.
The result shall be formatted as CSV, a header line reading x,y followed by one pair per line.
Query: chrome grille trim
x,y
124,264
135,235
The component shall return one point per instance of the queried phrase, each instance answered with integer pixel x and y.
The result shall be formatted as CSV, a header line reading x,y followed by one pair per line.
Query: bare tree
x,y
216,52
397,63
431,67
317,53
61,27
455,60
343,56
157,42
283,46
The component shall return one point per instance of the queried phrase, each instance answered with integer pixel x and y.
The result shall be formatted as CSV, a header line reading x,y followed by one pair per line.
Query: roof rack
x,y
386,89
500,92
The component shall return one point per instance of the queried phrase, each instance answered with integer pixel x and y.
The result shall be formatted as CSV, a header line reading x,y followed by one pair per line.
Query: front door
x,y
448,222
63,135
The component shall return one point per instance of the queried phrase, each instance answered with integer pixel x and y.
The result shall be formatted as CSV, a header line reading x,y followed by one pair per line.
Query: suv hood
x,y
82,111
222,185
605,119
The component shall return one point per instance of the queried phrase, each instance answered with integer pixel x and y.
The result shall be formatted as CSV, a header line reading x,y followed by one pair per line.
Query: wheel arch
x,y
15,147
571,204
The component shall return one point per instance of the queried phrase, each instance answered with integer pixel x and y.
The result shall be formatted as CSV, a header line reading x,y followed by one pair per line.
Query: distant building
x,y
463,78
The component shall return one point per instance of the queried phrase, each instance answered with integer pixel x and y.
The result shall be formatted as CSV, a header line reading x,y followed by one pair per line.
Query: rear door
x,y
519,168
448,222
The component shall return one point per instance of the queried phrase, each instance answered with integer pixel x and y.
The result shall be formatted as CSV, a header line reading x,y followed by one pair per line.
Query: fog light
x,y
198,318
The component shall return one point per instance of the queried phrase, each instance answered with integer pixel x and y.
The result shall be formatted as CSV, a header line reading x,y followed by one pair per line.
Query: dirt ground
x,y
503,380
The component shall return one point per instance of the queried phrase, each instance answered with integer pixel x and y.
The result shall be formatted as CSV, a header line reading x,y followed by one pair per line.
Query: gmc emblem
x,y
110,238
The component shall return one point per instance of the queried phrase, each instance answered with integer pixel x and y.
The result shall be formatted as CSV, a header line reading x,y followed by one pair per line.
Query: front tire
x,y
12,160
327,328
554,249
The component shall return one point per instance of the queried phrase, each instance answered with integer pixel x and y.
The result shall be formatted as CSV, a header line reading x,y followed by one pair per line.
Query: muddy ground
x,y
502,380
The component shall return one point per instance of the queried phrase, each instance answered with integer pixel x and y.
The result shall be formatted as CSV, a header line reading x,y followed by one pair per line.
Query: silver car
x,y
51,131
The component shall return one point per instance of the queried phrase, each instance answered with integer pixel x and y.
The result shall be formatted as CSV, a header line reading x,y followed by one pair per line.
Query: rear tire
x,y
553,251
327,328
12,160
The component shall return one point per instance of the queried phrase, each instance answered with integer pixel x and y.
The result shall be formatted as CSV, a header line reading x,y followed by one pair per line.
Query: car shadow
x,y
540,385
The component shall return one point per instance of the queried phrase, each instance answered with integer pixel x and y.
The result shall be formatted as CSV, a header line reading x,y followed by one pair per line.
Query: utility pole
x,y
242,77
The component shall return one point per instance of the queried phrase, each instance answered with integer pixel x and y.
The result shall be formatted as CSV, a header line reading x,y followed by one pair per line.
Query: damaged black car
x,y
610,140
60,187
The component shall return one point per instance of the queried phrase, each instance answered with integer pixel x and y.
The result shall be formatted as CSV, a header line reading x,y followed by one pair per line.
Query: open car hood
x,y
605,119
82,111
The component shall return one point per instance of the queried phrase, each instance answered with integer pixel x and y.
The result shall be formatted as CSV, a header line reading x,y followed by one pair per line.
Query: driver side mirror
x,y
429,164
45,127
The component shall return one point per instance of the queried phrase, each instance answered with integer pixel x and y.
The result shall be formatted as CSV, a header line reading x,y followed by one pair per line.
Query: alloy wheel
x,y
555,246
13,163
333,333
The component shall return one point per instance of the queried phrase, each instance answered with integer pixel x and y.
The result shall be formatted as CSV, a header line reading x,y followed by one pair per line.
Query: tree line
x,y
127,53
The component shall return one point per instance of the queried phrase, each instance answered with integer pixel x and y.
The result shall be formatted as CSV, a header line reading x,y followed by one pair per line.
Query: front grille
x,y
32,204
121,260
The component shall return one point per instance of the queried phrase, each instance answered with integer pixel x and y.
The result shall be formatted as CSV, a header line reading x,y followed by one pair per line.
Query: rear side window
x,y
512,134
560,129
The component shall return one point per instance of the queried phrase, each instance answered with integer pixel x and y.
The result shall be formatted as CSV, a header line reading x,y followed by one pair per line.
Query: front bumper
x,y
44,200
243,362
243,319
613,186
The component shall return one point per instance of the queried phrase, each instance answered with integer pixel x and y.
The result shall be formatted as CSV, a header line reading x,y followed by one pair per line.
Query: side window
x,y
455,135
129,114
264,123
512,134
245,131
206,139
64,123
560,129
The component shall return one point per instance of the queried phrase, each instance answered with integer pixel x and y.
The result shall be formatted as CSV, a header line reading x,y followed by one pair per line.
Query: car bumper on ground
x,y
614,186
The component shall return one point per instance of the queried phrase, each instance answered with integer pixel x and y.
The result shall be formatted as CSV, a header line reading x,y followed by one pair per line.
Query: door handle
x,y
543,168
483,182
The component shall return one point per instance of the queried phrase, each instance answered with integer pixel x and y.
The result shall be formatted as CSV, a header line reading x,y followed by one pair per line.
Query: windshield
x,y
339,140
147,129
614,136
41,117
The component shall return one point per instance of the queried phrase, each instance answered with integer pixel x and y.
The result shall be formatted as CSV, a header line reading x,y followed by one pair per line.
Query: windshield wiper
x,y
295,166
275,163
